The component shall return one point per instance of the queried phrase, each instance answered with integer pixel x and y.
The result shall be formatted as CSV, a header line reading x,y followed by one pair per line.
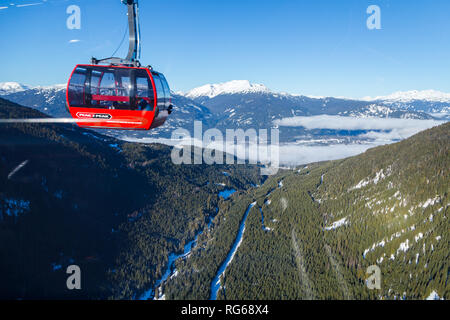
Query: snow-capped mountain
x,y
413,95
15,87
235,99
231,87
11,87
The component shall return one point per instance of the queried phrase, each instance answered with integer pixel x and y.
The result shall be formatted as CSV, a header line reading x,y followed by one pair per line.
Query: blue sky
x,y
319,47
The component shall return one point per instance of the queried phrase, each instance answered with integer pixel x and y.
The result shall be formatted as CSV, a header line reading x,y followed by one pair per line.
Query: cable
x,y
121,42
64,120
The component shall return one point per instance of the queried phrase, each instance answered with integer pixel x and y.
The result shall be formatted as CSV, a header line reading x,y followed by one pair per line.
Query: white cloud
x,y
296,155
350,123
389,136
74,41
29,4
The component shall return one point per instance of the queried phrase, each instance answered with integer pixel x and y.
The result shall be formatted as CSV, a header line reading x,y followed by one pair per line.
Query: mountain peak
x,y
230,87
11,87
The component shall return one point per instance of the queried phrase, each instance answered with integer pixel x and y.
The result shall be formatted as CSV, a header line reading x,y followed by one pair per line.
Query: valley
x,y
143,228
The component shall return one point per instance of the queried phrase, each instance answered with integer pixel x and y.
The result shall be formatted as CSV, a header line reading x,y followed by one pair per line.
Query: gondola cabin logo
x,y
89,115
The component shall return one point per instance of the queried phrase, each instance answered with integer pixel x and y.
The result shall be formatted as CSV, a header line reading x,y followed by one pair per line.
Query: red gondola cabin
x,y
118,97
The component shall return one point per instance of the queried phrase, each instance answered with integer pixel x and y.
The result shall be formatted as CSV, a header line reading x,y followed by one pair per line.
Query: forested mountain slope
x,y
313,232
70,196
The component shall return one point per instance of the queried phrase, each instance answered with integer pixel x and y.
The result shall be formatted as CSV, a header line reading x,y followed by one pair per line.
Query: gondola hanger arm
x,y
134,48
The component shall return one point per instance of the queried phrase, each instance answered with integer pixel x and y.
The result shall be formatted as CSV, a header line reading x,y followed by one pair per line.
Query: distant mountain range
x,y
242,105
243,94
414,95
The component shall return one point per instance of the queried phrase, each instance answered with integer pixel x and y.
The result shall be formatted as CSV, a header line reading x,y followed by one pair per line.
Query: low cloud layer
x,y
350,123
289,154
379,132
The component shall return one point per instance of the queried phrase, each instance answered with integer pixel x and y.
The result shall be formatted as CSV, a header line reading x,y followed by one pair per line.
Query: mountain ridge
x,y
254,108
245,86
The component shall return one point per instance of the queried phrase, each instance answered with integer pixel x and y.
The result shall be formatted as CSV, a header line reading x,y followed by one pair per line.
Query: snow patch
x,y
430,202
379,176
418,237
337,224
434,296
404,246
